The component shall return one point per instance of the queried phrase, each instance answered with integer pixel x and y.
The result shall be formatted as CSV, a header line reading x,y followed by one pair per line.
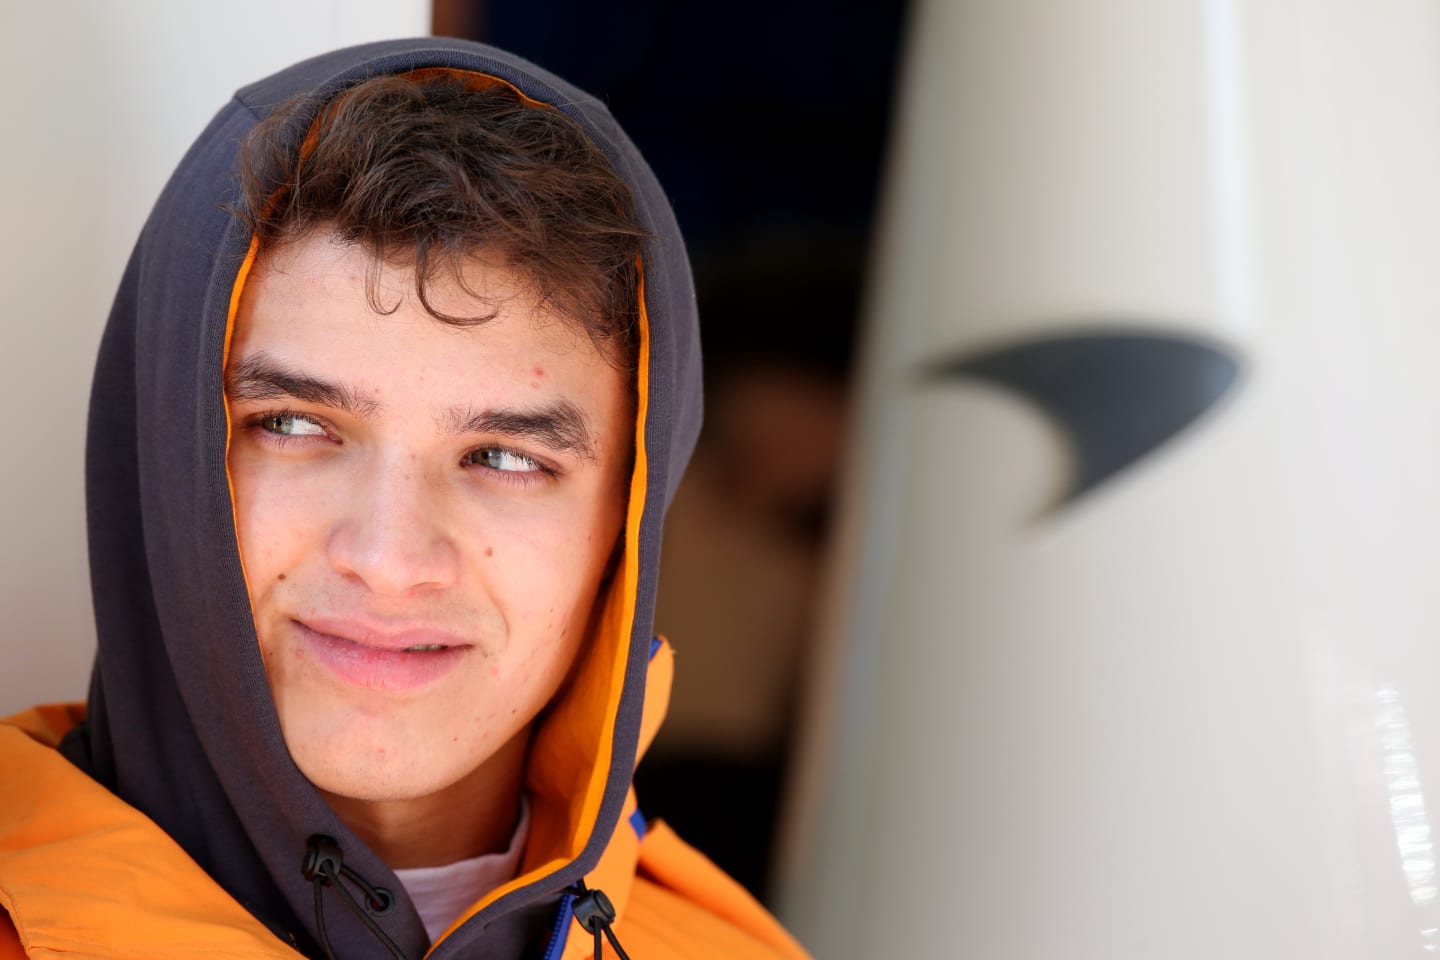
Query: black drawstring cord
x,y
595,912
324,866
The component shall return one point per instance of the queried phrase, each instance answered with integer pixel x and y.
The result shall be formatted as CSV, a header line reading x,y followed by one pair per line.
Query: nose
x,y
393,535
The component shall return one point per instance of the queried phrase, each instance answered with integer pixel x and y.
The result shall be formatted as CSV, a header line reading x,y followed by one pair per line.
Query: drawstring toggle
x,y
594,911
323,866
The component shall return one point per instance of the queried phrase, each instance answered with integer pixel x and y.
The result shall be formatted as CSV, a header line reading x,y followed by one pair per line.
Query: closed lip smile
x,y
378,656
383,637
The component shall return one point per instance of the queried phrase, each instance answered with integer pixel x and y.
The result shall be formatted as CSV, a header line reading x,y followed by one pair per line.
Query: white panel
x,y
357,21
103,99
1195,714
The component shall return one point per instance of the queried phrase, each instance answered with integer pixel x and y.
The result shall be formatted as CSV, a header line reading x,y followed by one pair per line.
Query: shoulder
x,y
69,848
682,905
47,723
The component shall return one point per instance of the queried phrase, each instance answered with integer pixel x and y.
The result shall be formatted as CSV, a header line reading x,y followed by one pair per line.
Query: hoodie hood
x,y
181,723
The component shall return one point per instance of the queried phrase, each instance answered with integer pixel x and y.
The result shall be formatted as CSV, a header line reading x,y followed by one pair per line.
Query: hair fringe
x,y
431,173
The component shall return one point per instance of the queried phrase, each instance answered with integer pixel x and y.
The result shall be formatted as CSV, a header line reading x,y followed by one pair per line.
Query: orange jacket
x,y
85,875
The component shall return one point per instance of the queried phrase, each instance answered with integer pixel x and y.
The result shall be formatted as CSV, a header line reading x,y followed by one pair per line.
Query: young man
x,y
397,385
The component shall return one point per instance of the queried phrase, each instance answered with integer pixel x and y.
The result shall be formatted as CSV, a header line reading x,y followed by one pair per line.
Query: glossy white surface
x,y
1197,713
102,100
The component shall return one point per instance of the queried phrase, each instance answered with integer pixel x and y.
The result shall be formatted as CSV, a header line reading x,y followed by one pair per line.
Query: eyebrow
x,y
560,426
261,377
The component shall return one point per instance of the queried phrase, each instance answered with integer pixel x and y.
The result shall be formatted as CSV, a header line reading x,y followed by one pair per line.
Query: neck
x,y
475,815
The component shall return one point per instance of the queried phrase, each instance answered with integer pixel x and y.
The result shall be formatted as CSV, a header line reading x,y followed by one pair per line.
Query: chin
x,y
344,754
378,777
345,784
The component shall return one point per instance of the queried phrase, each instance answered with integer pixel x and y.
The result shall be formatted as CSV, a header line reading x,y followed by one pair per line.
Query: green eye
x,y
495,458
291,425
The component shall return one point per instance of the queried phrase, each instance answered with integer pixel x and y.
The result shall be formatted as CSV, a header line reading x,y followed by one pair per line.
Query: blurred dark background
x,y
765,122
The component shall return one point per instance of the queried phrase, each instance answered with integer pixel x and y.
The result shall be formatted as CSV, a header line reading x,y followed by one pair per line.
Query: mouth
x,y
395,660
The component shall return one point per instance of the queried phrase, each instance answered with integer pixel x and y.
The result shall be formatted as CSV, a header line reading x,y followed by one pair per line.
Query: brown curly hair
x,y
430,169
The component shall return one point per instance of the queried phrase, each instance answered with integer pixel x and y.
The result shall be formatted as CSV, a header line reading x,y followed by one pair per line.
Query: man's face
x,y
425,512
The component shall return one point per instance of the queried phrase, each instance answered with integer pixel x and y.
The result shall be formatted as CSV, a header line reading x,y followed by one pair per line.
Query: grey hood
x,y
181,724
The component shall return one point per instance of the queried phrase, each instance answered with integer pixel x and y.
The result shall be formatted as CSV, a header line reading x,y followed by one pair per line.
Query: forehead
x,y
324,306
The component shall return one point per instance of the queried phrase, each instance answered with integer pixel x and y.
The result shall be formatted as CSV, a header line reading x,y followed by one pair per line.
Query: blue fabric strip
x,y
562,928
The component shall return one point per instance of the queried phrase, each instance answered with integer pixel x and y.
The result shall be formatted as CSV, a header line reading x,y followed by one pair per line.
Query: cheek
x,y
276,523
582,542
545,569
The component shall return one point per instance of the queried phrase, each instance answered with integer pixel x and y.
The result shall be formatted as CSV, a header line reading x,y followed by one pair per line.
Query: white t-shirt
x,y
441,894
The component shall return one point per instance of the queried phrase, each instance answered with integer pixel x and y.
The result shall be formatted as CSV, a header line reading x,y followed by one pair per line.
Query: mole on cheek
x,y
281,577
489,552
